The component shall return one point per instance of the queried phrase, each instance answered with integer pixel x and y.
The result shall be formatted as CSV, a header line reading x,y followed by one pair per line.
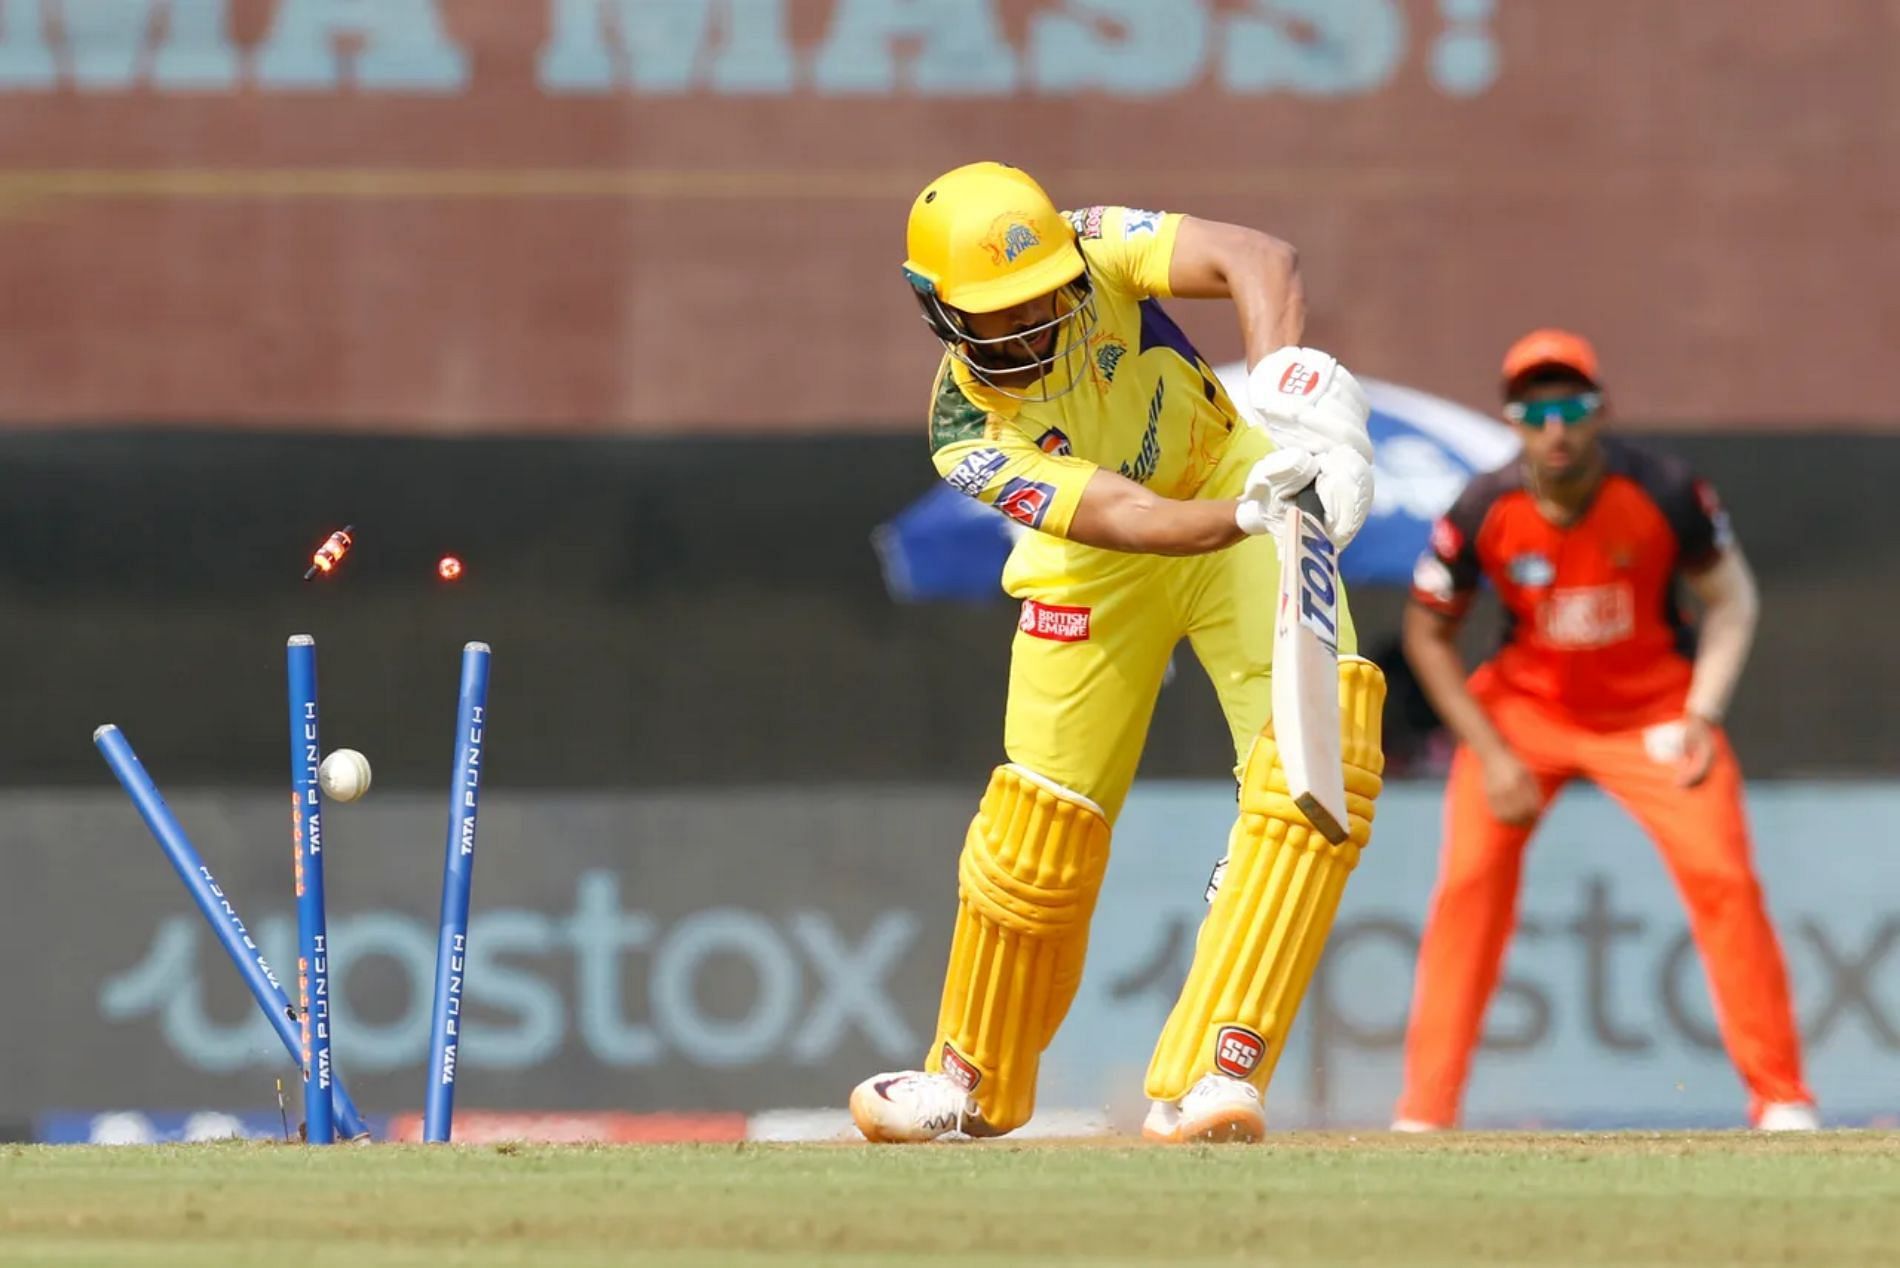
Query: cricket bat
x,y
1306,668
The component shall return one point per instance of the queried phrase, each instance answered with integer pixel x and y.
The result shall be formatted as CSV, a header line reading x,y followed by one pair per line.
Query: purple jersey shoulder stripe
x,y
1159,331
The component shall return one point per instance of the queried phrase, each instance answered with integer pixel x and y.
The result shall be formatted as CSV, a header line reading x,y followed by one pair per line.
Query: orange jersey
x,y
1592,624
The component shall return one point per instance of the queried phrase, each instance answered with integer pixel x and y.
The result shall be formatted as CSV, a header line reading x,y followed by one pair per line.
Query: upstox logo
x,y
625,988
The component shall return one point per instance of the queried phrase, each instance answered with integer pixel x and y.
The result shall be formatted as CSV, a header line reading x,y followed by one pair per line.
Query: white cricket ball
x,y
344,775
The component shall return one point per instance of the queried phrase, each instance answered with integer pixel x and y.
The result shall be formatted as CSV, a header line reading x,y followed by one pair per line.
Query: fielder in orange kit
x,y
1583,538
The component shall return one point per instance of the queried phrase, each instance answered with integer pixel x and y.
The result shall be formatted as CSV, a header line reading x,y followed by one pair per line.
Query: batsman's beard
x,y
1012,366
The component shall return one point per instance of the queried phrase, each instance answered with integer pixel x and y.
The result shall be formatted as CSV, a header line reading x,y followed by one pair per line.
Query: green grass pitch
x,y
1306,1199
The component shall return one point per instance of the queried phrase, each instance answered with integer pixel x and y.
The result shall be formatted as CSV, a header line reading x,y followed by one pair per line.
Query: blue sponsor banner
x,y
1602,1018
626,963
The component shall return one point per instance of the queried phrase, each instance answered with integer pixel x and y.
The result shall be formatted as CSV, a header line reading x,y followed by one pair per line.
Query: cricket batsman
x,y
1584,538
1069,401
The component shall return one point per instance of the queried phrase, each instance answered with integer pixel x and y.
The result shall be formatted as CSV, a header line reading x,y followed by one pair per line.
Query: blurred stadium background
x,y
601,296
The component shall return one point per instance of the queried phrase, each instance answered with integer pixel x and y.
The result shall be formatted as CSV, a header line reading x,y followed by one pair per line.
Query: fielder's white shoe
x,y
1217,1109
911,1106
1788,1116
1415,1126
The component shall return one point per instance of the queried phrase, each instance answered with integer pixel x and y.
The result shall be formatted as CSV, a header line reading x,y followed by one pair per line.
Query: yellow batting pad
x,y
1268,923
1031,867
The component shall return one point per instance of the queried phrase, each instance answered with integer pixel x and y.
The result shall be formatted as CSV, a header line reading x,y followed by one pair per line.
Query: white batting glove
x,y
1344,486
1309,401
1271,486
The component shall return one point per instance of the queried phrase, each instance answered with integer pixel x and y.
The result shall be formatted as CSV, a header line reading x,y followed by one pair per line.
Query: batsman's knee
x,y
1263,783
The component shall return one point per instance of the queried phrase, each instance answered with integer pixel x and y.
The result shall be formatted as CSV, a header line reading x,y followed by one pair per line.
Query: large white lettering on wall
x,y
917,48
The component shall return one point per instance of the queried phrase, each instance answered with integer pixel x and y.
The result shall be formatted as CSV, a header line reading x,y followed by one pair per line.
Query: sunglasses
x,y
1568,410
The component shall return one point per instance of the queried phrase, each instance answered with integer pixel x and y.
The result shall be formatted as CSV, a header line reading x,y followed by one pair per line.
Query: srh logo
x,y
1238,1051
1299,380
958,1067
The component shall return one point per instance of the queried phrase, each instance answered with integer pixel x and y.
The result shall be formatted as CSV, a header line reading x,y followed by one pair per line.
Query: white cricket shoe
x,y
911,1106
1215,1110
1415,1126
1788,1116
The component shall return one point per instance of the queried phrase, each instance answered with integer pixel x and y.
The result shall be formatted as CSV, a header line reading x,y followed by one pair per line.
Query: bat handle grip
x,y
1308,501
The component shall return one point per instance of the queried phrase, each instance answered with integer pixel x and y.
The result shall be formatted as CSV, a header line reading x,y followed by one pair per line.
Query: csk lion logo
x,y
1108,353
1010,239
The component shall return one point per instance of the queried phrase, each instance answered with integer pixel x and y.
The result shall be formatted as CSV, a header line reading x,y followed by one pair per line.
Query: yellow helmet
x,y
985,237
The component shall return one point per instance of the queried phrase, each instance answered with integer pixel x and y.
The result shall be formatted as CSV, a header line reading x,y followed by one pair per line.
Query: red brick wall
x,y
1711,190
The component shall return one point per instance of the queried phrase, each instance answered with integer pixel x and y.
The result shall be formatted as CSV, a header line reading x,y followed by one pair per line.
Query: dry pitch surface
x,y
1311,1200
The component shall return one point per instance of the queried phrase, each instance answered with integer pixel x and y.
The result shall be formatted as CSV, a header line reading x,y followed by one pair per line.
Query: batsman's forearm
x,y
1258,272
1170,527
1118,514
1728,631
1270,297
1440,671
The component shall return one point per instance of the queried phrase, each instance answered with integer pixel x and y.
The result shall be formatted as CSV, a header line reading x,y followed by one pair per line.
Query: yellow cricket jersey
x,y
1151,408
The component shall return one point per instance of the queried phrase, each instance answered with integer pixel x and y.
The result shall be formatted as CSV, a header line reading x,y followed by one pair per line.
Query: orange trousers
x,y
1702,833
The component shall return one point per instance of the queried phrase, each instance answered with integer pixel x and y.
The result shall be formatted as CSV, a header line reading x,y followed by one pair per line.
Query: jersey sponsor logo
x,y
1447,541
1432,581
1238,1051
1299,379
1026,501
1530,569
1142,469
1087,222
1055,442
1054,621
959,1068
1009,240
1581,617
1137,223
971,476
